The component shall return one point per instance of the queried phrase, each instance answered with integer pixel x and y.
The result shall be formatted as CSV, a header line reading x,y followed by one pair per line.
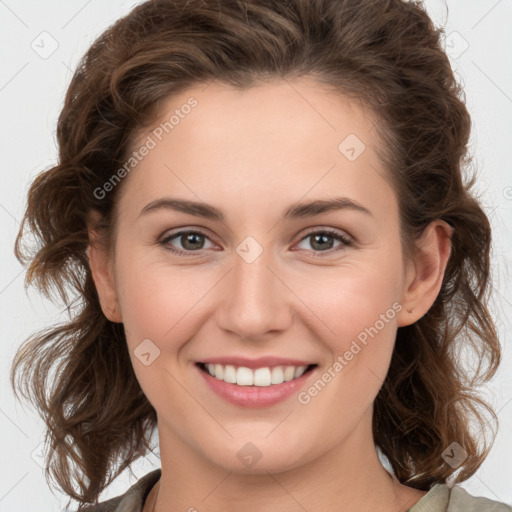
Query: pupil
x,y
321,237
191,238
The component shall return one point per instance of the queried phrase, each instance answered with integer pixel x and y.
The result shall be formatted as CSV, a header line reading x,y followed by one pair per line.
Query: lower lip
x,y
254,396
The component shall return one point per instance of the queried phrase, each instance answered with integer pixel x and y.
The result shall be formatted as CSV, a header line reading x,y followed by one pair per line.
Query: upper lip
x,y
260,362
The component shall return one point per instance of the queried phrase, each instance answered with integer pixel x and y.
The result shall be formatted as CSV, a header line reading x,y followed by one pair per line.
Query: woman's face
x,y
312,287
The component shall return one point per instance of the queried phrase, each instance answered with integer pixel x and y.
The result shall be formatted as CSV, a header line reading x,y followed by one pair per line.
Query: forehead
x,y
274,140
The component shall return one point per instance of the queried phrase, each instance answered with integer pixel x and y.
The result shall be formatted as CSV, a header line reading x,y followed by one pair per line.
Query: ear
x,y
424,276
101,269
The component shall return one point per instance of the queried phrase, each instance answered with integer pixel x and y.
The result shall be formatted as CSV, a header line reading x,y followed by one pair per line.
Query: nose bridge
x,y
254,300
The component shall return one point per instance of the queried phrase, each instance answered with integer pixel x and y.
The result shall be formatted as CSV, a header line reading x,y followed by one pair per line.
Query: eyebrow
x,y
295,211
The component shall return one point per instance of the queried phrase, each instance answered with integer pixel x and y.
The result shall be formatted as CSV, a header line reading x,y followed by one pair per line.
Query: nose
x,y
255,301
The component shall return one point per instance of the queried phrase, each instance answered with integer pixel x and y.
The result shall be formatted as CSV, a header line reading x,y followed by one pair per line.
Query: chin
x,y
253,454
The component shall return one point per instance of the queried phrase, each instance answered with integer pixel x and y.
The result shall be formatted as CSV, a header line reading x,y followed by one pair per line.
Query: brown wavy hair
x,y
386,53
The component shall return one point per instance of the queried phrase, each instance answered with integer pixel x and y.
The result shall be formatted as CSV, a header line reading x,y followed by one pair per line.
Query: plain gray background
x,y
43,42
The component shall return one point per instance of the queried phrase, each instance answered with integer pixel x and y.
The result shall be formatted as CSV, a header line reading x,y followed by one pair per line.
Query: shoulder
x,y
441,498
461,500
132,500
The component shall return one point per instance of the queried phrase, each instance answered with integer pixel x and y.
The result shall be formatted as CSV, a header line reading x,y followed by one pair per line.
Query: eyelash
x,y
346,242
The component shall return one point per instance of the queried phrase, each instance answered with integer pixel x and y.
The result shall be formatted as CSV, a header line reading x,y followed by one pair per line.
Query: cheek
x,y
357,307
158,301
161,304
349,300
360,311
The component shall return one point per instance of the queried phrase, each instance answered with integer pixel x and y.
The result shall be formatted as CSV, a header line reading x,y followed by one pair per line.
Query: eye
x,y
193,241
321,241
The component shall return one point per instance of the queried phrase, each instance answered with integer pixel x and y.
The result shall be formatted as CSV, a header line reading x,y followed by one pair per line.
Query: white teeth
x,y
277,375
219,371
263,377
289,372
244,376
299,371
229,374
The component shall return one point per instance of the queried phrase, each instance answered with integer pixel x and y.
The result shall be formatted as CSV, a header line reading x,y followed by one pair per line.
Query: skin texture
x,y
252,154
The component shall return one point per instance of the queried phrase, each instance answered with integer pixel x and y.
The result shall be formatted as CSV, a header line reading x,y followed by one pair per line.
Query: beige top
x,y
439,499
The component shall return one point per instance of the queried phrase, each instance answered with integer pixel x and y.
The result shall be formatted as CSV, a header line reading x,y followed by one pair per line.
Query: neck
x,y
348,476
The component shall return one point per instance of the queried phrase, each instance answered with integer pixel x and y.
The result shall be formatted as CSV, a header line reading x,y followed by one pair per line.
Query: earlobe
x,y
100,265
425,278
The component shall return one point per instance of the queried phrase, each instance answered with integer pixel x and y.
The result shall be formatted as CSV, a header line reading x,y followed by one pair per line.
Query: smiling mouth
x,y
258,377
